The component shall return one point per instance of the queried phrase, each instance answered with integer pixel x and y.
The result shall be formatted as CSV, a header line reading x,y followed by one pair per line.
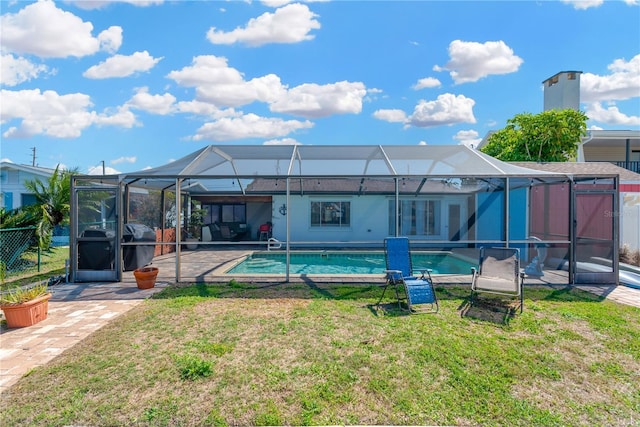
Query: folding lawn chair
x,y
498,273
417,290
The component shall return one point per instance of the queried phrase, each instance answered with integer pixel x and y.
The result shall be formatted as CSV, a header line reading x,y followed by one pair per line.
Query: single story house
x,y
354,196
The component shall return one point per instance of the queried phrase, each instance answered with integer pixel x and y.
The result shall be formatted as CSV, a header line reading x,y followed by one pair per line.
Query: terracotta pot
x,y
26,313
146,277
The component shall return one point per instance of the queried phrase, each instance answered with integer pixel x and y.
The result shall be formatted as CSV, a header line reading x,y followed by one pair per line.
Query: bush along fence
x,y
19,250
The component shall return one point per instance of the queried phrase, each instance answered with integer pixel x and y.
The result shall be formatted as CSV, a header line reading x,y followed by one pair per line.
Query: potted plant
x,y
196,221
146,276
25,306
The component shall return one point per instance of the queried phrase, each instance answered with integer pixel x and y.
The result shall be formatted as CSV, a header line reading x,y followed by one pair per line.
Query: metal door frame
x,y
595,277
114,274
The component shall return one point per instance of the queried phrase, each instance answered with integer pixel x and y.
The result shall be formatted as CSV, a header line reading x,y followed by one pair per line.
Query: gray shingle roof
x,y
583,168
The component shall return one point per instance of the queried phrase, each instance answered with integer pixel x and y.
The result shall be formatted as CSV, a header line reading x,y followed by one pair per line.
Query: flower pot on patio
x,y
20,315
192,243
146,277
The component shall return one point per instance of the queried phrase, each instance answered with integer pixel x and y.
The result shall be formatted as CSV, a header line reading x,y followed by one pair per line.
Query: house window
x,y
28,199
7,200
224,213
330,214
417,217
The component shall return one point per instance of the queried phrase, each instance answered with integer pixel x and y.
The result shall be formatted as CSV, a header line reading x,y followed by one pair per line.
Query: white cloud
x,y
124,159
284,141
49,113
312,100
205,109
470,138
122,66
288,24
44,30
471,61
279,3
121,117
110,39
223,86
248,126
217,83
206,69
622,83
393,116
611,115
427,82
583,4
447,109
19,70
156,104
265,89
99,4
275,3
97,170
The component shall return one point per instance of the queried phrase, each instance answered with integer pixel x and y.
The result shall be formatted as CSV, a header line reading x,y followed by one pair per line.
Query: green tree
x,y
551,136
17,218
53,198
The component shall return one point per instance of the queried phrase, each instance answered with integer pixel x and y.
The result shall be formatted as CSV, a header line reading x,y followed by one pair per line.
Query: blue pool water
x,y
346,263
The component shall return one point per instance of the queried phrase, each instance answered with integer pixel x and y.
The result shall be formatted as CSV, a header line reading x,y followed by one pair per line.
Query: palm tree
x,y
52,202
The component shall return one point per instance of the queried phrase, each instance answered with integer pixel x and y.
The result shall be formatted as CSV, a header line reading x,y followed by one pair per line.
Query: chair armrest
x,y
394,274
423,271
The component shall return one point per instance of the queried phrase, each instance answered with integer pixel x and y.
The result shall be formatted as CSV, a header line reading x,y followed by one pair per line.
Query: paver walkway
x,y
77,310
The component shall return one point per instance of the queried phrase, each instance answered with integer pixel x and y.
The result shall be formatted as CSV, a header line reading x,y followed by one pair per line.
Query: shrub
x,y
629,256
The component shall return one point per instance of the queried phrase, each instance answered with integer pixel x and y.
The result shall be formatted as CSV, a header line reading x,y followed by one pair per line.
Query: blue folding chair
x,y
416,291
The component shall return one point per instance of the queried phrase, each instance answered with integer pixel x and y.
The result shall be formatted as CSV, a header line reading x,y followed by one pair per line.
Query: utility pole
x,y
102,167
33,156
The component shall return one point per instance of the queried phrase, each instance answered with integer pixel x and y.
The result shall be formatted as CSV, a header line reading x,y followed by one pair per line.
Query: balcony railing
x,y
633,166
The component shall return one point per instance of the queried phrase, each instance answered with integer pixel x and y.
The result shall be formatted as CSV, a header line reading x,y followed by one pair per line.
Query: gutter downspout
x,y
580,158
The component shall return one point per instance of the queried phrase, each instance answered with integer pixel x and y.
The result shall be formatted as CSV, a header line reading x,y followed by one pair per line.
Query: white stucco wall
x,y
369,219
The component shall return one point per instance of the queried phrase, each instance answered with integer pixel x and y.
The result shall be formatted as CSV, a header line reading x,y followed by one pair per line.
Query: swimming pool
x,y
346,263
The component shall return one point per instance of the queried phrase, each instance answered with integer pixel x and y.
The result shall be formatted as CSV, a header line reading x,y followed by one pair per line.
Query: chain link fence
x,y
19,250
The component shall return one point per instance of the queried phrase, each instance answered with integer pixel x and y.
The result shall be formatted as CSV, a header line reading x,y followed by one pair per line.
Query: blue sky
x,y
136,84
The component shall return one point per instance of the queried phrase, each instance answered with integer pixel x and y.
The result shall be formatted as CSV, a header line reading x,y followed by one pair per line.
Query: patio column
x,y
178,227
507,188
288,232
396,210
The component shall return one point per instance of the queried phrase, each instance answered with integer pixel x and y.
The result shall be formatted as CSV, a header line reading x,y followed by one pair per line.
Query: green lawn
x,y
299,354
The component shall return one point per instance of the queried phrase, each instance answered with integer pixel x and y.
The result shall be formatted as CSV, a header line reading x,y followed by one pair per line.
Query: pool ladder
x,y
273,243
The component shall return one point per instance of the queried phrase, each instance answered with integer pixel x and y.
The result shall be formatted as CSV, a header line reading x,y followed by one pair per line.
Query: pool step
x,y
261,263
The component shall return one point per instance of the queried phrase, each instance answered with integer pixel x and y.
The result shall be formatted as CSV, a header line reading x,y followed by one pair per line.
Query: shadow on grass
x,y
499,312
336,291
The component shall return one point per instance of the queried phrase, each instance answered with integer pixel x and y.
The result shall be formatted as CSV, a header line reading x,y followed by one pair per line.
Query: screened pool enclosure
x,y
295,197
